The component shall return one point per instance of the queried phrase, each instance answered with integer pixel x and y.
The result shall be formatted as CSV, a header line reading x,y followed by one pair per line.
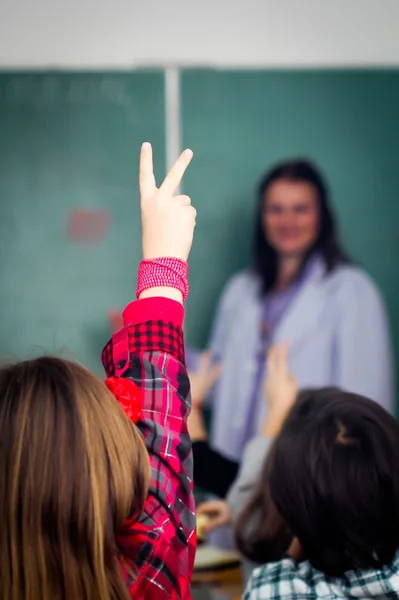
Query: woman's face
x,y
291,217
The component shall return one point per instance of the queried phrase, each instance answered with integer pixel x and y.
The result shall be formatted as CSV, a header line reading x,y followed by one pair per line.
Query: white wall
x,y
124,33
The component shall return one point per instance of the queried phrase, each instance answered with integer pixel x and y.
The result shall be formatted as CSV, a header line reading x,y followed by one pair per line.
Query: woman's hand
x,y
281,389
203,380
217,513
168,221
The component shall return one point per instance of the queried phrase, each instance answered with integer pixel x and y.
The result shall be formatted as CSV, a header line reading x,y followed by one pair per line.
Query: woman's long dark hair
x,y
327,243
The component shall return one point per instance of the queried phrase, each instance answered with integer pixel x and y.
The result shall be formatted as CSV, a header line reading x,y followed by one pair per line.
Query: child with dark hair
x,y
331,481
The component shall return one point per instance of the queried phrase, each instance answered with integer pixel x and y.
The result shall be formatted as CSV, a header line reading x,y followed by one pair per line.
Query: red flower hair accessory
x,y
128,395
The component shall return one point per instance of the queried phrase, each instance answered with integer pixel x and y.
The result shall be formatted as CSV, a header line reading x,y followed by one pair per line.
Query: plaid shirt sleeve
x,y
161,544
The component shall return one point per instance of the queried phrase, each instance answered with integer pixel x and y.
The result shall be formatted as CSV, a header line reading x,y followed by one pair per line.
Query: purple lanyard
x,y
273,309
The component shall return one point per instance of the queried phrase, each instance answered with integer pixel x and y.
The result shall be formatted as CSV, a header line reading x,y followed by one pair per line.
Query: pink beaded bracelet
x,y
163,272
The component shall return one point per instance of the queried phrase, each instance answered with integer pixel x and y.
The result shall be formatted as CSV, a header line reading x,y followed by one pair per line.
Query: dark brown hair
x,y
72,469
332,480
327,244
261,534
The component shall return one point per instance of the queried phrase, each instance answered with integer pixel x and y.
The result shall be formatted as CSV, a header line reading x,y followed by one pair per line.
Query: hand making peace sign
x,y
168,221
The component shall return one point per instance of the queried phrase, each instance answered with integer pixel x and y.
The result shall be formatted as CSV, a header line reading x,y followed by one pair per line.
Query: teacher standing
x,y
302,289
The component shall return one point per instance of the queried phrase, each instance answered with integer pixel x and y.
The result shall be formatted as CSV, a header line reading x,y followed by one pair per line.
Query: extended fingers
x,y
146,172
173,178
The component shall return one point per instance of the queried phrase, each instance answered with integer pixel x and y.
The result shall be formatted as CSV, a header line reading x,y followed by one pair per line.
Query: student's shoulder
x,y
283,579
273,580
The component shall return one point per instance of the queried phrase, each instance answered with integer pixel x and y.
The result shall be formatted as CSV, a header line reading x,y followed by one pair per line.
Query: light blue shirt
x,y
337,332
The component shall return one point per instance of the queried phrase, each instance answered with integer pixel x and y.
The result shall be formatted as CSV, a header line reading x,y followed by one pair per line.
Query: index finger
x,y
173,178
146,171
282,357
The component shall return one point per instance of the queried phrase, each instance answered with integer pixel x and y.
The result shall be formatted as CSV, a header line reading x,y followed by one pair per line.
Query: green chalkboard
x,y
71,141
239,123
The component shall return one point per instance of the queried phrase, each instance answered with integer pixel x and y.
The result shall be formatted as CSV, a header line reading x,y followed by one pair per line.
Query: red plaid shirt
x,y
161,544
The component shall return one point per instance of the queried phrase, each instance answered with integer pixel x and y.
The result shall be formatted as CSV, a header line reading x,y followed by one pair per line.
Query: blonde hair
x,y
72,469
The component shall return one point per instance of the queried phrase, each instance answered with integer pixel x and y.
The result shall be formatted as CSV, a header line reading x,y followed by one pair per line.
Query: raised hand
x,y
203,379
168,221
281,388
214,514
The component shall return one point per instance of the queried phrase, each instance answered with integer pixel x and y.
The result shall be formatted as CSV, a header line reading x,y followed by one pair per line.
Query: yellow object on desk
x,y
209,558
202,522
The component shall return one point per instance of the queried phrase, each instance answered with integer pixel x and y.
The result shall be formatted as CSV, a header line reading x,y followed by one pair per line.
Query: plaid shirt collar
x,y
287,579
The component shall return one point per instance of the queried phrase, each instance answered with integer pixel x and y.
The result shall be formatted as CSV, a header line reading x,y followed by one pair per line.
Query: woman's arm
x,y
363,350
